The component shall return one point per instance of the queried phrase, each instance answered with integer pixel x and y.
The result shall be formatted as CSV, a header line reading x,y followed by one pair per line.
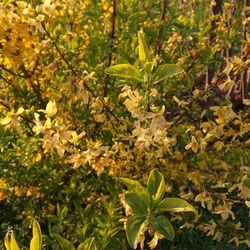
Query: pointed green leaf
x,y
7,2
137,188
144,53
165,71
7,241
163,226
156,186
13,243
127,71
246,183
64,244
134,227
175,205
136,203
36,241
88,244
148,67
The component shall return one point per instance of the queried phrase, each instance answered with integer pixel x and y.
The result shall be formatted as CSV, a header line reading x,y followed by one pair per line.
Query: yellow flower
x,y
20,191
3,195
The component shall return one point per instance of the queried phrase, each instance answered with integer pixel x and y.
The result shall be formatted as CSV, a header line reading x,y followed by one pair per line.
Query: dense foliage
x,y
95,90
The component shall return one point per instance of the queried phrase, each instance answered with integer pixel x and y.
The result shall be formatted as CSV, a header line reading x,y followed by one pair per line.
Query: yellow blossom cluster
x,y
56,135
19,41
150,126
107,14
3,190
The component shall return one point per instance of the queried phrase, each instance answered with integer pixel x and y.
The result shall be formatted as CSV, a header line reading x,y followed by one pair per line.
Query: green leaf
x,y
7,2
165,71
144,53
175,205
65,244
136,203
88,244
163,226
134,227
127,71
13,243
246,183
36,241
156,186
148,67
137,188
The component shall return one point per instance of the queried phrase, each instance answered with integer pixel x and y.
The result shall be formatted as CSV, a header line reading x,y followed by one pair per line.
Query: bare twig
x,y
112,38
189,105
158,42
245,75
223,197
12,72
76,74
112,35
6,81
26,74
5,105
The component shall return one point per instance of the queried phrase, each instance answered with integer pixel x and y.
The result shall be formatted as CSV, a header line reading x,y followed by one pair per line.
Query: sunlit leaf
x,y
134,227
144,52
36,241
175,205
88,244
7,241
136,203
127,71
7,2
65,244
165,71
13,243
136,187
156,186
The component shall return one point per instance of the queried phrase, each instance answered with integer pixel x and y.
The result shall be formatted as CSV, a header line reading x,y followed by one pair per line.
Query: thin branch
x,y
35,67
76,73
26,74
6,81
189,105
112,35
192,63
5,105
11,72
225,198
158,42
59,50
112,38
65,60
245,51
